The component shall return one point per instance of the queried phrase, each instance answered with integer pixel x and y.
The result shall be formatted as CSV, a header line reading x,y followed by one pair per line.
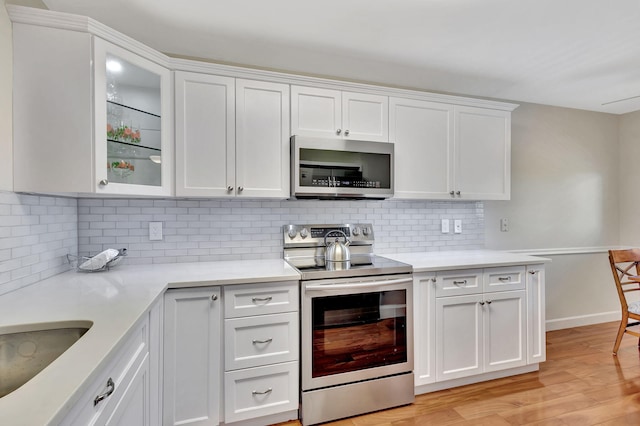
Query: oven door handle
x,y
357,285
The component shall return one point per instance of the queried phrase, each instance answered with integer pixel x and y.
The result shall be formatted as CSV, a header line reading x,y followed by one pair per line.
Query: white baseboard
x,y
582,320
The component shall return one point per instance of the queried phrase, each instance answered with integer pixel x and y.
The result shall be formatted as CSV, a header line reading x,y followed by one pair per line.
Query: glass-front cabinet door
x,y
132,123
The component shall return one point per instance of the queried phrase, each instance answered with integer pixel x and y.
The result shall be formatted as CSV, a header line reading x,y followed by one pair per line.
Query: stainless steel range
x,y
356,315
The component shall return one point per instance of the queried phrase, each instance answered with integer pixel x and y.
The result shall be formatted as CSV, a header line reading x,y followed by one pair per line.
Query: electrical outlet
x,y
444,226
155,231
457,226
504,224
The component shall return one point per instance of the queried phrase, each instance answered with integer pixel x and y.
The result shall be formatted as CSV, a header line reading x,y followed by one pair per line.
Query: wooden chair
x,y
625,266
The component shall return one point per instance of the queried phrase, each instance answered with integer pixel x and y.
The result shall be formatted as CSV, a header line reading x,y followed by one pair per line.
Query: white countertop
x,y
462,259
114,301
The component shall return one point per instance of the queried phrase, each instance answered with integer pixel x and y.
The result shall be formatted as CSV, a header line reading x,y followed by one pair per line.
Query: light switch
x,y
444,226
457,226
155,231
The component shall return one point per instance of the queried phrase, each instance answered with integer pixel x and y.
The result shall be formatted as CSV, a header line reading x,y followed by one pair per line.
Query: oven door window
x,y
358,331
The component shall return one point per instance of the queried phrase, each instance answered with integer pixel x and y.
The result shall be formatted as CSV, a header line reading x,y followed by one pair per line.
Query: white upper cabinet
x,y
205,135
449,152
337,114
262,139
231,137
422,133
81,127
483,153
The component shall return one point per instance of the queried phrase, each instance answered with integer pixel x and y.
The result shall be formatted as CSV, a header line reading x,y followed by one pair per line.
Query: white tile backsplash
x,y
206,230
36,234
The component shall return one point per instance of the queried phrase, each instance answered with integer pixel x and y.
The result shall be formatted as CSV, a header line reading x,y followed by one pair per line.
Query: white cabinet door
x,y
133,407
315,112
365,117
205,135
505,335
536,337
334,114
192,354
459,336
422,133
424,303
262,139
482,165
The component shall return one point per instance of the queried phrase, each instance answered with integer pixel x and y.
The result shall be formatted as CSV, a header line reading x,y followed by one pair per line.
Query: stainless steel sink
x,y
25,350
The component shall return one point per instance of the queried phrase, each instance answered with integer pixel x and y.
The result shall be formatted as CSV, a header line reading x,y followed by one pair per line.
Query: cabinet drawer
x,y
457,283
120,370
261,340
258,299
260,391
504,278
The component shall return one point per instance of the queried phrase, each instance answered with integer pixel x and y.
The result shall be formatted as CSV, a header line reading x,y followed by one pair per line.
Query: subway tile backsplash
x,y
196,230
36,234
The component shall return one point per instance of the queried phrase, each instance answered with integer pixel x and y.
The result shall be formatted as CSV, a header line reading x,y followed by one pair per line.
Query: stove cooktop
x,y
314,268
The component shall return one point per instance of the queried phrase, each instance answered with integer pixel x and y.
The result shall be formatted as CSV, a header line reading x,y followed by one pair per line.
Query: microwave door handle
x,y
356,285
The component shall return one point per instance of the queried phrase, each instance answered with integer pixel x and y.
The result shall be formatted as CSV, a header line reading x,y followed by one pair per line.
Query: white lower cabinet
x,y
123,394
261,352
192,353
231,354
477,321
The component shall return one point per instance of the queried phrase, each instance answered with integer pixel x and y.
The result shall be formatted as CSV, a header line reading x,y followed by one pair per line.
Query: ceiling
x,y
573,53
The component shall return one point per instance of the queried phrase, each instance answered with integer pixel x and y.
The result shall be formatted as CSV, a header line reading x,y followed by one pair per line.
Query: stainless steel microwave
x,y
341,169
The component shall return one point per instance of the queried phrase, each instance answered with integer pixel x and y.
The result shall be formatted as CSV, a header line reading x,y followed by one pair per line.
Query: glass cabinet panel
x,y
133,130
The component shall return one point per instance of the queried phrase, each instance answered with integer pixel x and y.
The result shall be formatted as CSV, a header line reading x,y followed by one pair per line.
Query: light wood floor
x,y
581,383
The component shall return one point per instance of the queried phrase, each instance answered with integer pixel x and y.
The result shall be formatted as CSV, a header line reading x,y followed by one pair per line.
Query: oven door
x,y
356,329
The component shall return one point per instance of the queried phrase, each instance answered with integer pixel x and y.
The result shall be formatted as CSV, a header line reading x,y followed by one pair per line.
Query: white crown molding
x,y
304,80
48,18
68,21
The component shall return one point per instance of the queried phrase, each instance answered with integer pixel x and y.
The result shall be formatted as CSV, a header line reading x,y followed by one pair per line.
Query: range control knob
x,y
304,233
366,230
292,233
355,231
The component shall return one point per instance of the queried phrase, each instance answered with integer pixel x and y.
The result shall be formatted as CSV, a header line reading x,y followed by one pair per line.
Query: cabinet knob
x,y
240,188
104,182
229,188
451,192
533,272
338,131
458,193
433,280
488,302
346,132
481,303
214,297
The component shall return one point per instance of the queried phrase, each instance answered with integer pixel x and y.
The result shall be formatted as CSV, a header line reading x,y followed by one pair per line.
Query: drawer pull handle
x,y
463,282
262,299
261,393
255,341
110,388
488,302
504,279
533,272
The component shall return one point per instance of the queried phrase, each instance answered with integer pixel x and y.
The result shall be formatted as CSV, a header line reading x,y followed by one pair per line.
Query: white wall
x,y
6,78
564,196
629,177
